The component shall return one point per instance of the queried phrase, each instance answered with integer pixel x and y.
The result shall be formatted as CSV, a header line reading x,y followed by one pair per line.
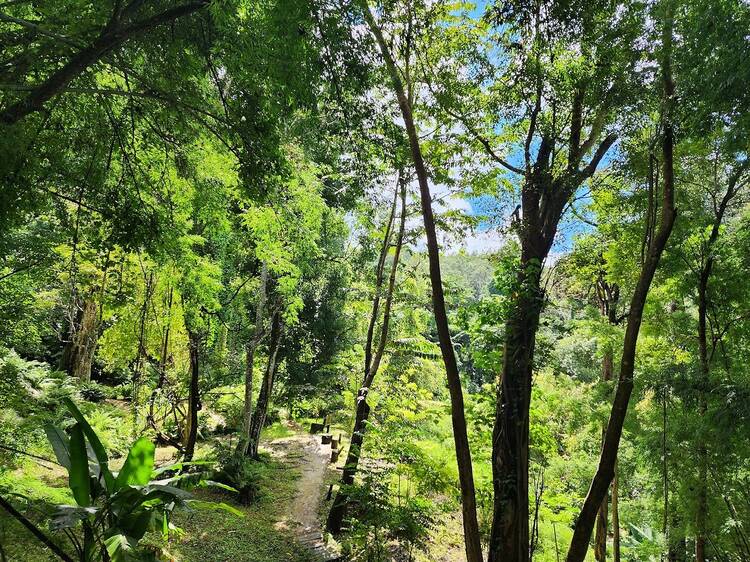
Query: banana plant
x,y
116,509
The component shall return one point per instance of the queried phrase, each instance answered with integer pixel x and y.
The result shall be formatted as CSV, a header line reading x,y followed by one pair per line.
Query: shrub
x,y
273,416
381,516
229,403
242,473
115,509
93,392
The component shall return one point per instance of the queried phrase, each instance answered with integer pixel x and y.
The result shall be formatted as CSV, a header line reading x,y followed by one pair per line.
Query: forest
x,y
375,280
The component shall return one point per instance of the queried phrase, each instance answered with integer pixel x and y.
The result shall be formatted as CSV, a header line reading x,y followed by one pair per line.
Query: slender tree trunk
x,y
605,472
336,516
600,540
616,516
191,427
733,187
36,531
163,360
140,357
677,548
458,418
702,503
609,309
266,388
164,356
335,520
250,348
379,278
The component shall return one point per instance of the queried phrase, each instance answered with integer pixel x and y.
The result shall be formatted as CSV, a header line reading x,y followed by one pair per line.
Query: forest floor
x,y
311,457
281,525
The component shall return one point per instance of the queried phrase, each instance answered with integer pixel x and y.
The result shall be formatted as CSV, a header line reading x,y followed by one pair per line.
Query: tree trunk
x,y
141,356
616,516
84,341
252,345
336,516
677,547
600,540
608,304
509,539
733,186
266,388
702,503
163,361
606,469
458,418
191,427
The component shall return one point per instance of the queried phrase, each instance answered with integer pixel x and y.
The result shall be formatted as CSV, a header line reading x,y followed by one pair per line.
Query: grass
x,y
206,535
221,537
277,431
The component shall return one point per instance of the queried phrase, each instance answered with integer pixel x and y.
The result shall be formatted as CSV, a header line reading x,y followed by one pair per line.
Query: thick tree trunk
x,y
336,516
85,338
510,443
266,388
458,418
605,472
191,422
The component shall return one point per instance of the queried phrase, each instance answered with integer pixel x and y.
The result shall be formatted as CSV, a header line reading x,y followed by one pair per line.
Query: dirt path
x,y
307,453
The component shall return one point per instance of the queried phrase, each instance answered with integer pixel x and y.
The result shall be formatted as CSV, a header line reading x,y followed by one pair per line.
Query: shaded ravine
x,y
307,453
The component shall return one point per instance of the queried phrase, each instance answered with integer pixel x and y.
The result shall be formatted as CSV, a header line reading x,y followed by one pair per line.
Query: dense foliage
x,y
499,250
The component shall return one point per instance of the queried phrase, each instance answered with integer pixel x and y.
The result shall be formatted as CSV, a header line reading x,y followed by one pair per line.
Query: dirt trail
x,y
306,452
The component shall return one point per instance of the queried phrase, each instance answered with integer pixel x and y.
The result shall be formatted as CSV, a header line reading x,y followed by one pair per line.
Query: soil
x,y
307,453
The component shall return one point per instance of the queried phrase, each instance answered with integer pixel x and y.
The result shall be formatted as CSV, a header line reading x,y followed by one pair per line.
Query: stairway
x,y
313,541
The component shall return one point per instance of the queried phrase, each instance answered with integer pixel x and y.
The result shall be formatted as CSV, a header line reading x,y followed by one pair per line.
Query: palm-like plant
x,y
115,510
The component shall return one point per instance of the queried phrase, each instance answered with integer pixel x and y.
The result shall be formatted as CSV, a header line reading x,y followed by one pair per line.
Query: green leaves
x,y
60,444
216,506
139,465
126,506
78,472
94,442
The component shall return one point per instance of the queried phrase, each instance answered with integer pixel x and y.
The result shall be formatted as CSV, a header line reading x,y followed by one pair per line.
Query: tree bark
x,y
191,428
164,359
252,345
266,388
509,539
458,418
706,267
677,545
702,500
84,341
336,516
605,472
543,199
609,298
616,516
